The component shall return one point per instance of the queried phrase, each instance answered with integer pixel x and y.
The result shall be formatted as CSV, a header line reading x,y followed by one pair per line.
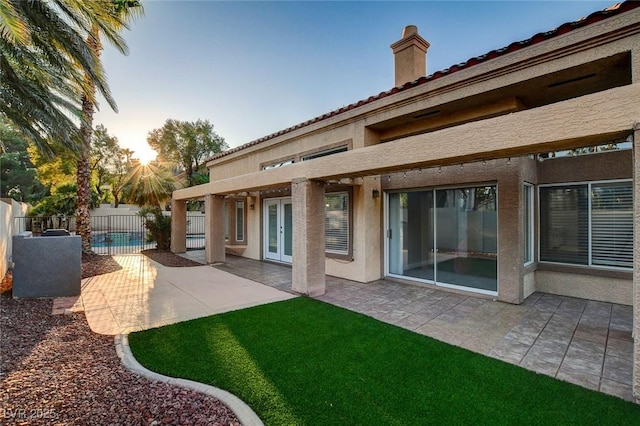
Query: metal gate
x,y
121,234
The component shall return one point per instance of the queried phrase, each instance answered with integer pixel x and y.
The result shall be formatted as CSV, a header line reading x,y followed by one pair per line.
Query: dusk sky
x,y
253,68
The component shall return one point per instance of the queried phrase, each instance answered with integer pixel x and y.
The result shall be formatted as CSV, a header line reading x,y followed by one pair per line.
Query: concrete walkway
x,y
145,294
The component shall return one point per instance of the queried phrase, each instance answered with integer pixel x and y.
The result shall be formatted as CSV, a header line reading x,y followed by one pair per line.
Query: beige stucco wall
x,y
606,289
253,228
9,210
587,167
279,150
529,284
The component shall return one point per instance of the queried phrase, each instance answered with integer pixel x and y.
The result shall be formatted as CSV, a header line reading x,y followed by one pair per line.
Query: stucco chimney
x,y
410,55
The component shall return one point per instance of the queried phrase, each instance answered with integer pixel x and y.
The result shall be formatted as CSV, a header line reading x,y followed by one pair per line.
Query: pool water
x,y
118,239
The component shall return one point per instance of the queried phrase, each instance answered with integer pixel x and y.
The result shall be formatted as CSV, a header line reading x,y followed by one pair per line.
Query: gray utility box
x,y
47,266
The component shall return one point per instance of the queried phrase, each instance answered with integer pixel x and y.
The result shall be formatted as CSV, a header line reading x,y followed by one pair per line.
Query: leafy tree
x,y
54,173
149,185
62,202
18,178
118,12
109,164
187,144
45,64
121,171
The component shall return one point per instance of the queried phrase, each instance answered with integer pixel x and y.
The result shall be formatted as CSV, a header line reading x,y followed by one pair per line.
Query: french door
x,y
278,228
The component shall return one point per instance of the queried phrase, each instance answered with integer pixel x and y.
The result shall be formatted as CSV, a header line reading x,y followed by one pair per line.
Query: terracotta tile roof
x,y
540,37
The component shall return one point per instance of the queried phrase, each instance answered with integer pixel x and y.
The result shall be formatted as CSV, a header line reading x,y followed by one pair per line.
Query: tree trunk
x,y
83,216
189,172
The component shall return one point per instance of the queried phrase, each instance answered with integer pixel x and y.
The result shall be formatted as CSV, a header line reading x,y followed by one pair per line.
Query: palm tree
x,y
150,185
45,63
121,11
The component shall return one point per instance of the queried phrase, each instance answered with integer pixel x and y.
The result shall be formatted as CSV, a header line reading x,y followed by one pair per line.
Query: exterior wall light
x,y
375,193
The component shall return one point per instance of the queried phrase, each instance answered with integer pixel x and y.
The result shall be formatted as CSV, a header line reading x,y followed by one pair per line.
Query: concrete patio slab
x,y
145,294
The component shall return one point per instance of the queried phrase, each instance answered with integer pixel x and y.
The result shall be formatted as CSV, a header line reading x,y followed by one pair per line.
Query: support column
x,y
636,262
369,211
510,289
178,226
308,275
214,228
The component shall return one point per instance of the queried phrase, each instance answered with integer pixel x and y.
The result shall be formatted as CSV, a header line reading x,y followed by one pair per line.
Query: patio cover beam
x,y
586,120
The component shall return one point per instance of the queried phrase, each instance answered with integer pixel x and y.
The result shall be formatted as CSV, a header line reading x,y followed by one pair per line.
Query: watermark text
x,y
28,414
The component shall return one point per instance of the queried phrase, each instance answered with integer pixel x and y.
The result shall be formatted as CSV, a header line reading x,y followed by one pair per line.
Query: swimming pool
x,y
119,239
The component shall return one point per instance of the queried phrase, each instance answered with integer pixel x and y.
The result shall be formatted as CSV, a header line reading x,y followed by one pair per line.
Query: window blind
x,y
336,223
612,224
564,219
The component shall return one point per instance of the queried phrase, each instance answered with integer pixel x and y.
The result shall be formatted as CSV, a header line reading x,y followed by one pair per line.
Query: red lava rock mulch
x,y
167,258
96,264
55,370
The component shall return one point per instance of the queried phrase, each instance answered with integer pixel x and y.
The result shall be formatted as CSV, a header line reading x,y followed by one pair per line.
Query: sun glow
x,y
145,155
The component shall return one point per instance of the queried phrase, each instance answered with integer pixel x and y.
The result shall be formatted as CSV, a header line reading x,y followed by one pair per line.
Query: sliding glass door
x,y
444,236
411,242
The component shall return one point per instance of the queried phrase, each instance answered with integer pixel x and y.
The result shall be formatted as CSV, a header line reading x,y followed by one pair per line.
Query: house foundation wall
x,y
604,289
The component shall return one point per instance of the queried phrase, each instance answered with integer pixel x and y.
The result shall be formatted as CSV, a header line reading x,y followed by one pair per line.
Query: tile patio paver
x,y
585,342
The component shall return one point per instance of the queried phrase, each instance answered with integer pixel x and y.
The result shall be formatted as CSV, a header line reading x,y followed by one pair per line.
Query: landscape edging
x,y
244,413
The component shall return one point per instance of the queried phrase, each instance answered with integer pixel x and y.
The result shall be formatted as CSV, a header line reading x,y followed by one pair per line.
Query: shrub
x,y
158,225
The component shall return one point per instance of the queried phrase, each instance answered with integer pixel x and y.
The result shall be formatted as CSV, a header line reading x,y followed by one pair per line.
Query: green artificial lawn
x,y
305,362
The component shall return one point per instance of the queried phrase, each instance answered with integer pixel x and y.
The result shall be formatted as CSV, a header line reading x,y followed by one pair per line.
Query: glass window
x,y
277,164
336,222
225,219
564,221
239,220
587,224
612,224
527,225
325,153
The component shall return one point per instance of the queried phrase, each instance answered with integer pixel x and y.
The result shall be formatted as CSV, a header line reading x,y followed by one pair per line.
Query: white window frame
x,y
590,261
348,227
528,225
239,210
225,220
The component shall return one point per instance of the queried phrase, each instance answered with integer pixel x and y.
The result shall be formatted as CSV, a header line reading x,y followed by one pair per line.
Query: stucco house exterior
x,y
510,173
